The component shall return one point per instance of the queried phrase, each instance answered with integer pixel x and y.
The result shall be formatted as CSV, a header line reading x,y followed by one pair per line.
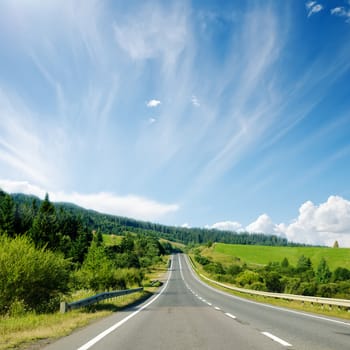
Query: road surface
x,y
188,314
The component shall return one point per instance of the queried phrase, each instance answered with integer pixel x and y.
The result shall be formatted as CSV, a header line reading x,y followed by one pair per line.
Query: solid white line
x,y
100,336
276,339
230,315
261,304
217,308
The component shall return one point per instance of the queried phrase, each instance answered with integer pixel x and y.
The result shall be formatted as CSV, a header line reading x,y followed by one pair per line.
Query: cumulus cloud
x,y
313,7
322,224
316,224
186,225
263,224
131,206
153,103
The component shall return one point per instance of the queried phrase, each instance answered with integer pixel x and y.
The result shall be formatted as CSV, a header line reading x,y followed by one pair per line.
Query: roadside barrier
x,y
64,307
344,303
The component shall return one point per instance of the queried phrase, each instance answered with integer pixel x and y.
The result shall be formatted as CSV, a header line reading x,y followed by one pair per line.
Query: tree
x,y
341,274
7,214
304,264
285,263
323,274
336,244
33,276
45,226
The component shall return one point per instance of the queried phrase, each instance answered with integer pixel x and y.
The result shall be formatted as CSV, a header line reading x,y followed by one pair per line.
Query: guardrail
x,y
64,307
345,303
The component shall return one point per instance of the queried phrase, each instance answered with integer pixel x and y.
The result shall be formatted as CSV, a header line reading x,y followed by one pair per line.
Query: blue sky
x,y
222,114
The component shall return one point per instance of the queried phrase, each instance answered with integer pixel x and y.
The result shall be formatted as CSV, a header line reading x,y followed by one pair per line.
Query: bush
x,y
247,278
234,270
327,290
307,288
29,276
214,268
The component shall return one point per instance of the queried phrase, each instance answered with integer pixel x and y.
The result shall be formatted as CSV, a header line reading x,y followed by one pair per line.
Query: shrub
x,y
30,276
247,277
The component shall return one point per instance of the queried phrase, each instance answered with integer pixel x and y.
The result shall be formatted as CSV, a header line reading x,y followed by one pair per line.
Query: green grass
x,y
290,304
262,255
112,239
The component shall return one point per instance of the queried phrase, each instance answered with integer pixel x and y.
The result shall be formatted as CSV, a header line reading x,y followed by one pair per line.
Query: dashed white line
x,y
210,304
276,339
217,308
230,315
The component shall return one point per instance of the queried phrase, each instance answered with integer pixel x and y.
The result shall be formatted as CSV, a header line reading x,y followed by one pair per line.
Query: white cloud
x,y
313,7
263,224
341,12
131,206
195,101
153,32
316,224
153,103
227,226
186,225
322,224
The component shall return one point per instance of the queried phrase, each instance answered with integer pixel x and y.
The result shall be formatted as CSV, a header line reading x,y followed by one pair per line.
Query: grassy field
x,y
261,255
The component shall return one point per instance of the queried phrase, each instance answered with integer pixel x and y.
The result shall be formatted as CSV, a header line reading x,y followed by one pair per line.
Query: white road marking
x,y
210,304
100,336
217,308
260,304
276,339
230,315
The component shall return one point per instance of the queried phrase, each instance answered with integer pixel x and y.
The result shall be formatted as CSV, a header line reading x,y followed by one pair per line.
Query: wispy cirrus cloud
x,y
343,12
163,37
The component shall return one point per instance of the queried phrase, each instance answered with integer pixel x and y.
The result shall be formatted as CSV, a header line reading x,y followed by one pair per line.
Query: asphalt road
x,y
188,314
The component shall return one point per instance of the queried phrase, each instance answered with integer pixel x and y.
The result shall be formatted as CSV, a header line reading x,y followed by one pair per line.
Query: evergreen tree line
x,y
118,225
282,277
47,251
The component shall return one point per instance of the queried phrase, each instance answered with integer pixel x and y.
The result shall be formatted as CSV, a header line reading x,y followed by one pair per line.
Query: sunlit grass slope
x,y
251,254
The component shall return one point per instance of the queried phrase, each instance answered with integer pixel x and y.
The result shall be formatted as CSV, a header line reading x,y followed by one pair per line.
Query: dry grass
x,y
23,331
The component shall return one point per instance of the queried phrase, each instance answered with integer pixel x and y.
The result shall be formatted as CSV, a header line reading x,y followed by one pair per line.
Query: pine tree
x,y
45,226
7,214
323,274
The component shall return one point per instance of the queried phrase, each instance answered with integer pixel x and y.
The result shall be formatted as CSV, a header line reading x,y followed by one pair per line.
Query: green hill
x,y
252,254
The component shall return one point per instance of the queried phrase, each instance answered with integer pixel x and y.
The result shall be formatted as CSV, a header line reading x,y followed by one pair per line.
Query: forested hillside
x,y
27,207
47,251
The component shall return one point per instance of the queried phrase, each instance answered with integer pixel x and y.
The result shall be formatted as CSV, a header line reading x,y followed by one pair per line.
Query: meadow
x,y
262,255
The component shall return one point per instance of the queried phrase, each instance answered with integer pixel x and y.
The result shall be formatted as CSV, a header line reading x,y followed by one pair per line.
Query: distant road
x,y
187,314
